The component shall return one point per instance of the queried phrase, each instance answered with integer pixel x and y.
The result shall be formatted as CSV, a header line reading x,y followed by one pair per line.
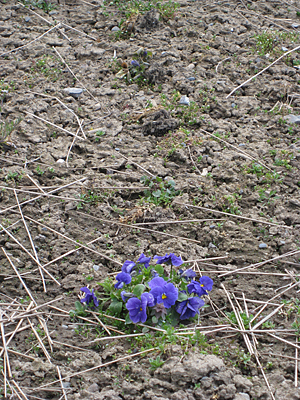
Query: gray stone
x,y
27,19
242,396
191,78
74,92
233,105
41,238
53,12
96,267
284,49
60,161
115,29
212,246
65,326
66,385
263,246
93,388
292,119
184,100
294,26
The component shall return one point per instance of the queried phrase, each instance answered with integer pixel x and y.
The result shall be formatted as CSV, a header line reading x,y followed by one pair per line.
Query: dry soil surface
x,y
73,193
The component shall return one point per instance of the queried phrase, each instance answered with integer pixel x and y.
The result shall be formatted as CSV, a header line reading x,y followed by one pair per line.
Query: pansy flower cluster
x,y
154,293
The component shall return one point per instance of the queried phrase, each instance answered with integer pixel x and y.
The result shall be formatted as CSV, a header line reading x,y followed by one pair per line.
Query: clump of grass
x,y
267,41
159,192
6,129
44,5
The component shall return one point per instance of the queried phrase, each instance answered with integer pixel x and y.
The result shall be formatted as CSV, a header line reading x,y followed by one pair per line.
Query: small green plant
x,y
255,168
99,134
80,310
268,325
246,320
156,363
39,171
6,128
44,5
230,204
13,176
159,192
267,197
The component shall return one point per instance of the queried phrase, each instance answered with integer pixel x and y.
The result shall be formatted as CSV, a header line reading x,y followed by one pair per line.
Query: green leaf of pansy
x,y
116,307
160,269
182,296
139,289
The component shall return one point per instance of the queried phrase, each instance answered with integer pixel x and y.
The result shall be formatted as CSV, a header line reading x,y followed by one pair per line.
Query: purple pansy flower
x,y
122,278
144,260
190,307
163,292
135,63
137,308
206,283
89,297
169,259
128,266
187,274
195,287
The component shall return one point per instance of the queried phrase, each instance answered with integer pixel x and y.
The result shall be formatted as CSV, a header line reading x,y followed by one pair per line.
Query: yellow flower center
x,y
201,285
141,309
163,296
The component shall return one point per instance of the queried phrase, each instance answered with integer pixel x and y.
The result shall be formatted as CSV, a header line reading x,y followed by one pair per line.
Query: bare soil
x,y
73,206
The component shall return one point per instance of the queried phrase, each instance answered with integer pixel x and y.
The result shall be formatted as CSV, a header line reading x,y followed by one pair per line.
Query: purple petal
x,y
189,273
149,299
85,290
144,260
176,261
158,281
128,266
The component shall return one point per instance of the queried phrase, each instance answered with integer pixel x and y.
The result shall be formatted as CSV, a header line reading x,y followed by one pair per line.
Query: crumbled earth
x,y
230,157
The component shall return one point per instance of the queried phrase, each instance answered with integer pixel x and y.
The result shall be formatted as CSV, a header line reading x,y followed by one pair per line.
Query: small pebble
x,y
284,48
117,149
184,100
115,29
60,161
212,226
292,119
212,246
27,19
263,246
295,26
96,267
233,105
282,242
53,12
65,326
191,78
191,66
66,385
93,388
74,92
